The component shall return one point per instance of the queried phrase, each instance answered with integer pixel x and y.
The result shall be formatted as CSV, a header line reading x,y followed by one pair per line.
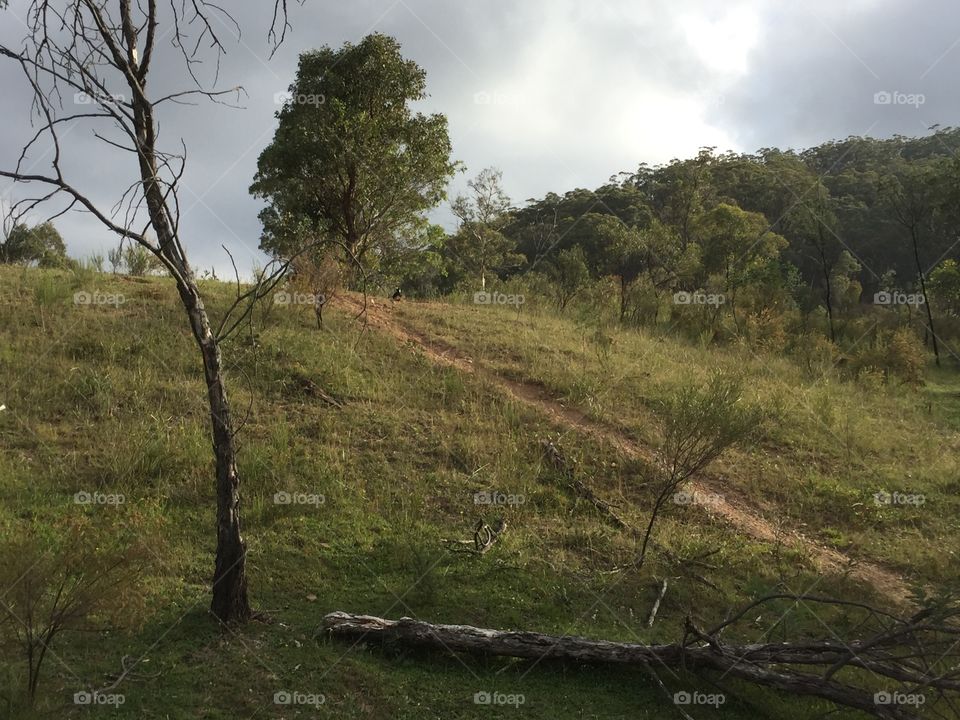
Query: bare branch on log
x,y
917,655
656,603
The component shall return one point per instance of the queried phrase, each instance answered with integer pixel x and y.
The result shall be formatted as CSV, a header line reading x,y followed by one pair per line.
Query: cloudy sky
x,y
557,93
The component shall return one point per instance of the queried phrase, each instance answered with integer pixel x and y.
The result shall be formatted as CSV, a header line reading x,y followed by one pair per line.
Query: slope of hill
x,y
366,451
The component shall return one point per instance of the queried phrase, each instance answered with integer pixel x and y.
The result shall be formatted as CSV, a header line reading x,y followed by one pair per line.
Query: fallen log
x,y
781,666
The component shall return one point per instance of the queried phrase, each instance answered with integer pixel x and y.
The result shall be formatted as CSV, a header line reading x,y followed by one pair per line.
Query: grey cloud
x,y
577,92
815,74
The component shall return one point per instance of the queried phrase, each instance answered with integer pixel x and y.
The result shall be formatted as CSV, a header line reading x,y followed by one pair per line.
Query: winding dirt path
x,y
733,508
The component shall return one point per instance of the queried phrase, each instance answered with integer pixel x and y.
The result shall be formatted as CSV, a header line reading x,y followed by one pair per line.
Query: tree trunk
x,y
923,289
828,294
824,265
731,293
230,602
759,663
623,297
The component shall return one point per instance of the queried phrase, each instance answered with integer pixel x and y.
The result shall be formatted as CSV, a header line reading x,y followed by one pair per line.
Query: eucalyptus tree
x,y
480,246
41,244
351,164
912,193
737,245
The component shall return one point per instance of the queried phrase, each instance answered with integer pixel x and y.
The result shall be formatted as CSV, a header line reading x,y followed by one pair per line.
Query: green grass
x,y
833,444
110,398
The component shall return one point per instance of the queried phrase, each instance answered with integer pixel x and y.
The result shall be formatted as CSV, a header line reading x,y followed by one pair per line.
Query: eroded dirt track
x,y
734,509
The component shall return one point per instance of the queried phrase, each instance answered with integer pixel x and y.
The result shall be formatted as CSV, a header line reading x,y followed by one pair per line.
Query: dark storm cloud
x,y
557,93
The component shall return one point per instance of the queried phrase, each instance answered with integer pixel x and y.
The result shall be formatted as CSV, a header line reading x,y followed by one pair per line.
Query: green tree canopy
x,y
479,246
944,286
40,244
350,161
569,273
733,239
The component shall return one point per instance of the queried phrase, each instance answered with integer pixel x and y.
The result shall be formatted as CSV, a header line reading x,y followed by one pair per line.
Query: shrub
x,y
83,273
767,330
699,424
49,290
140,261
115,258
892,353
77,571
906,356
815,353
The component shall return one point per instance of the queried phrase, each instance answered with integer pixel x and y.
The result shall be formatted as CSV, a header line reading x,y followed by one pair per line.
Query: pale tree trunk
x,y
230,602
783,666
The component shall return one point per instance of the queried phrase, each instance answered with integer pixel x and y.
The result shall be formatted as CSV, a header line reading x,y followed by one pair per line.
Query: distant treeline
x,y
864,197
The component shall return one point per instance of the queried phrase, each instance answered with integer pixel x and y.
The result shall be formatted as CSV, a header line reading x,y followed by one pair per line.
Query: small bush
x,y
906,357
767,330
80,571
83,273
815,353
140,261
893,353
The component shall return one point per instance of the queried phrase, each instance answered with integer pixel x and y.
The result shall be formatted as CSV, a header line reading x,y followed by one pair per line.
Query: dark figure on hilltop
x,y
397,295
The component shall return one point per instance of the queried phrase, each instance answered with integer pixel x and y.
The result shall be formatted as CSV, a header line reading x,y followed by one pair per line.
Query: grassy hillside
x,y
833,444
108,399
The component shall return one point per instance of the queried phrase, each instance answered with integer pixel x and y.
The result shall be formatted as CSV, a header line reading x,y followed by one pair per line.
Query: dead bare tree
x,y
103,51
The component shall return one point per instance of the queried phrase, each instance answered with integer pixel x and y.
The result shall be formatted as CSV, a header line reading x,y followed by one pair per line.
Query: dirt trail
x,y
725,503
